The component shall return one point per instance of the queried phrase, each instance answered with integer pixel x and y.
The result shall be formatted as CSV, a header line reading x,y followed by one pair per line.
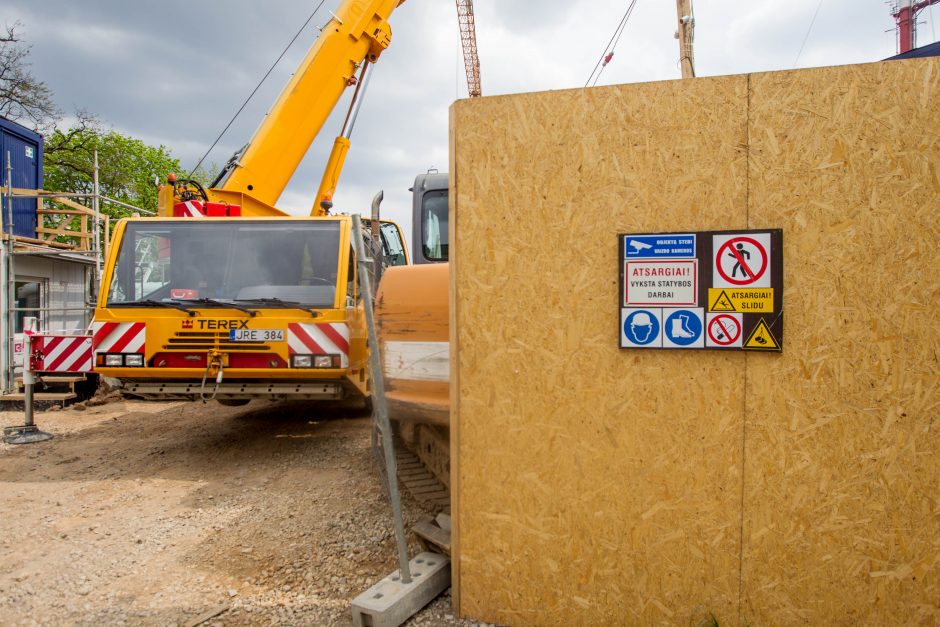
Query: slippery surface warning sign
x,y
744,300
720,290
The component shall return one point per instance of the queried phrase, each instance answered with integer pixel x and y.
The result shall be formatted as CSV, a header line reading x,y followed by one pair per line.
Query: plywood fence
x,y
594,485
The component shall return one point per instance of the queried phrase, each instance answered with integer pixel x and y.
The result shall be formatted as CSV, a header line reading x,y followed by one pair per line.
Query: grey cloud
x,y
175,72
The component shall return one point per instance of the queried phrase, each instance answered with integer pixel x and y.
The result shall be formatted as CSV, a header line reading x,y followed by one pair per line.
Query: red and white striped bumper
x,y
325,338
61,353
119,337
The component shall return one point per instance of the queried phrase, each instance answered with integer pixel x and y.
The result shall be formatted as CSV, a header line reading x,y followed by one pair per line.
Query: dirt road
x,y
166,513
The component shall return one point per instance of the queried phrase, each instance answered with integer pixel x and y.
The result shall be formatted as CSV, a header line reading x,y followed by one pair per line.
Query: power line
x,y
809,30
257,87
608,52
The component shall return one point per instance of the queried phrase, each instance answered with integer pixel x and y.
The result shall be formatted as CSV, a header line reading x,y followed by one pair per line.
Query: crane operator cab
x,y
236,309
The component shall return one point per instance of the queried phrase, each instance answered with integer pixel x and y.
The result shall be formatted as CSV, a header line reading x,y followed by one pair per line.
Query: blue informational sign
x,y
641,328
663,246
683,328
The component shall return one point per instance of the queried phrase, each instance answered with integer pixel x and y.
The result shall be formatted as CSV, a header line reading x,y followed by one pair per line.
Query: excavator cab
x,y
429,218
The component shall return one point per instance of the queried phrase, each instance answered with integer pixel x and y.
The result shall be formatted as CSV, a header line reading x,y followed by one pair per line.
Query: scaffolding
x,y
73,232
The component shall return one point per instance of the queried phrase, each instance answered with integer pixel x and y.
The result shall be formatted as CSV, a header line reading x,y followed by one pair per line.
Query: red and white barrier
x,y
119,337
324,338
61,353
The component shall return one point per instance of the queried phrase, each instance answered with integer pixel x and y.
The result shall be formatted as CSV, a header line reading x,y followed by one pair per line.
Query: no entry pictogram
x,y
724,330
742,260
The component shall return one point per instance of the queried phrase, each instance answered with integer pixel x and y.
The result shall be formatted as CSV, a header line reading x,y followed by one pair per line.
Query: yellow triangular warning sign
x,y
722,303
762,339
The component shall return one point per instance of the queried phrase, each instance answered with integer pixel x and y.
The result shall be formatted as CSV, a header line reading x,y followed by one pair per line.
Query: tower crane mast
x,y
468,40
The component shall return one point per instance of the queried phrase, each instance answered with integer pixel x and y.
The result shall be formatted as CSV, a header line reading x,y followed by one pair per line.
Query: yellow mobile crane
x,y
225,296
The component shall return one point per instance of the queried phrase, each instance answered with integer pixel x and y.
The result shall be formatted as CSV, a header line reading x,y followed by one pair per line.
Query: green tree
x,y
127,167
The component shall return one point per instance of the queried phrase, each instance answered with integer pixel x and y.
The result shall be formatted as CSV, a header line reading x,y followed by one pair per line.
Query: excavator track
x,y
423,485
413,474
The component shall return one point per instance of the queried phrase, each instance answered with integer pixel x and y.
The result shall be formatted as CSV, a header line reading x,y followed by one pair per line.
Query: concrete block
x,y
390,602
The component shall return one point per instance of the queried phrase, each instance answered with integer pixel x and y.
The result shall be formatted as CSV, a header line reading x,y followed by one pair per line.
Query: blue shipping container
x,y
24,148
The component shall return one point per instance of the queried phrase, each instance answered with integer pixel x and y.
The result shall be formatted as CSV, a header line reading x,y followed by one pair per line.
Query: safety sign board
x,y
719,290
665,246
661,282
746,300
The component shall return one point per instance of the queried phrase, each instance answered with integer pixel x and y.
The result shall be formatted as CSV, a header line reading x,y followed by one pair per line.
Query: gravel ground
x,y
142,513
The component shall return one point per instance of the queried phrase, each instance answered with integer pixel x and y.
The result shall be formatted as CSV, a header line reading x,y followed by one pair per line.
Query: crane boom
x,y
468,40
357,32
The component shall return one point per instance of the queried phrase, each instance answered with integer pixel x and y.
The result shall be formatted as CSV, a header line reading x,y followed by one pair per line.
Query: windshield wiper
x,y
219,302
279,304
149,302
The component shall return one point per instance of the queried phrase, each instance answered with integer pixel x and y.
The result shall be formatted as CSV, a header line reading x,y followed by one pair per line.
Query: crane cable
x,y
257,87
608,53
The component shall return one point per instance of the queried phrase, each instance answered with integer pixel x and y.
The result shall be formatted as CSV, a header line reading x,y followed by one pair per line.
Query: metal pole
x,y
54,195
96,206
28,380
376,224
9,284
379,405
358,97
28,432
127,206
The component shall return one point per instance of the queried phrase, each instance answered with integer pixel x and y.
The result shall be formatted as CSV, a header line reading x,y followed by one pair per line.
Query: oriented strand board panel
x,y
600,486
842,464
593,485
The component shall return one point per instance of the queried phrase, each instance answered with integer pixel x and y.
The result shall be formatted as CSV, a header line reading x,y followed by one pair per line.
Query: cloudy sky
x,y
175,72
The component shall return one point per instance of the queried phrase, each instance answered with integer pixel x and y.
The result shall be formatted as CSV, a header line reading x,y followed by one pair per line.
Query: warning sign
x,y
761,339
724,330
741,260
661,282
747,300
719,302
718,290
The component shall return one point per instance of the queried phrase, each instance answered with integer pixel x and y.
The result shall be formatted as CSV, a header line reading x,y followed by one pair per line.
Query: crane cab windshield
x,y
234,261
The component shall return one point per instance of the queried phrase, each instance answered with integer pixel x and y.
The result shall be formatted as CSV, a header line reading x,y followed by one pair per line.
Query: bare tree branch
x,y
23,98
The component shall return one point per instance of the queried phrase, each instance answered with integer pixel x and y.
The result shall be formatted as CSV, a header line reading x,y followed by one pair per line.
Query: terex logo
x,y
187,324
223,324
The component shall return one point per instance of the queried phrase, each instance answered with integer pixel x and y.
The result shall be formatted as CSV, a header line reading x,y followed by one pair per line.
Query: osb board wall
x,y
597,485
581,467
842,464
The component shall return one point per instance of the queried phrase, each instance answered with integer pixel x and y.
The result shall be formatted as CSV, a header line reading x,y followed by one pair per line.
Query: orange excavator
x,y
412,306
